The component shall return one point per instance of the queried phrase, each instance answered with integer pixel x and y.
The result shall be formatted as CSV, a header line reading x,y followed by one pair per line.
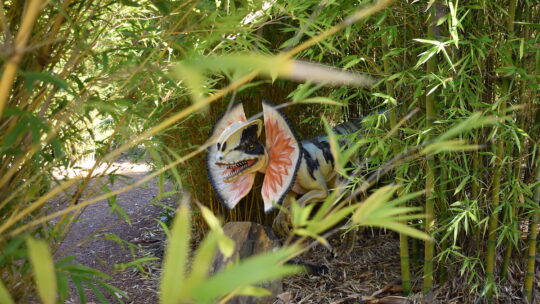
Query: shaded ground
x,y
360,275
368,274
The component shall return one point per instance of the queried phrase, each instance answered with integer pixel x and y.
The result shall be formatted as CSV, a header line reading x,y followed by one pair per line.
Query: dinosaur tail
x,y
354,125
348,127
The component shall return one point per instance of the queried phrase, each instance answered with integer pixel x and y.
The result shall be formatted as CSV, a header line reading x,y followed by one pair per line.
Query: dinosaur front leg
x,y
282,222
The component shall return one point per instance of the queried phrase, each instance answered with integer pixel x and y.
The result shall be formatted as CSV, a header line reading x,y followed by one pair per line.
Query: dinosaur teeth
x,y
237,169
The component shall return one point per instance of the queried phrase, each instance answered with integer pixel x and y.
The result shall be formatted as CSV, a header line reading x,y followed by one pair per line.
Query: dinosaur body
x,y
291,168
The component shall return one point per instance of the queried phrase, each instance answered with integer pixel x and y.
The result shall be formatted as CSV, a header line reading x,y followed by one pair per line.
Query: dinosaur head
x,y
227,171
236,154
239,151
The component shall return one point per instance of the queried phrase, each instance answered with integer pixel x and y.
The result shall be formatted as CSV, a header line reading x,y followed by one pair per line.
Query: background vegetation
x,y
93,79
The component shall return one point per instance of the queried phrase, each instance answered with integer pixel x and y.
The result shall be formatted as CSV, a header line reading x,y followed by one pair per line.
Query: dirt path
x,y
99,238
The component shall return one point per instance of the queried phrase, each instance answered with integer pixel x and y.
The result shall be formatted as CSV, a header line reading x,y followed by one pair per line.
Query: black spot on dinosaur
x,y
249,143
312,163
324,146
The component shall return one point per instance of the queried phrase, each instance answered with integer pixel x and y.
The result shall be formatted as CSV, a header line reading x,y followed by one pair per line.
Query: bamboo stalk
x,y
12,64
403,239
512,220
523,100
533,228
442,205
429,226
522,155
494,218
533,234
496,181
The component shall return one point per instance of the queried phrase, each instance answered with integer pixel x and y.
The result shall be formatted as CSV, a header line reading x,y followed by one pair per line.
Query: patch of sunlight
x,y
81,169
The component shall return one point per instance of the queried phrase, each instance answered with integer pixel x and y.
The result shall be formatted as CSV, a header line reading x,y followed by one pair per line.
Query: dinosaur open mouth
x,y
234,170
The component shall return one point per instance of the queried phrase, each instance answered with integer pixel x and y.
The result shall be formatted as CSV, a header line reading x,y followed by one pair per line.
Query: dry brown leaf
x,y
286,297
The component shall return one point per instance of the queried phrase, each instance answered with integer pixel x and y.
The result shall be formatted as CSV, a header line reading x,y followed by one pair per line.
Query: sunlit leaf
x,y
253,291
321,100
226,244
43,270
376,199
5,297
176,255
273,66
474,121
449,146
201,265
402,228
240,275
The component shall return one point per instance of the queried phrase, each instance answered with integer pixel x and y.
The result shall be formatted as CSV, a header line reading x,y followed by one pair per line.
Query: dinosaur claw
x,y
282,224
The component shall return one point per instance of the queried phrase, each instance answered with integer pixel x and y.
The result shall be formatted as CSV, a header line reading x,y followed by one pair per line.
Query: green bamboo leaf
x,y
448,146
225,243
253,291
426,41
347,154
43,267
462,184
267,267
402,228
11,137
331,220
194,79
300,215
321,100
201,265
5,297
63,286
31,77
390,212
404,198
365,212
99,295
334,146
176,256
311,234
273,66
80,289
115,292
474,121
162,6
326,206
425,56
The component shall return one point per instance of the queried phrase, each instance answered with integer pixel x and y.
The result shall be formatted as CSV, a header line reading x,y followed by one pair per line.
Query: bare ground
x,y
97,238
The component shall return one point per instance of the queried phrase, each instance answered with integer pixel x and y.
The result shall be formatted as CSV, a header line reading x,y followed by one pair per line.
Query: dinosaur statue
x,y
306,168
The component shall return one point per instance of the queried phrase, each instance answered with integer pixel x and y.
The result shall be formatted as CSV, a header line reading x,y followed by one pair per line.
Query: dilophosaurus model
x,y
291,168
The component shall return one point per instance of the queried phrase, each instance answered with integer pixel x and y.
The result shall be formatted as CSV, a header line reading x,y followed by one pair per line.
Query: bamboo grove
x,y
96,78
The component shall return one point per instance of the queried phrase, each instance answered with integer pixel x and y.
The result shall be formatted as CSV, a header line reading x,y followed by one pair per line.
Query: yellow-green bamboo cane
x,y
533,234
403,239
525,101
429,246
533,228
12,64
496,181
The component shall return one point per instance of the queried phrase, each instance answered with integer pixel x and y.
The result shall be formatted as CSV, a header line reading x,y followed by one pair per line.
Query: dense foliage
x,y
459,81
